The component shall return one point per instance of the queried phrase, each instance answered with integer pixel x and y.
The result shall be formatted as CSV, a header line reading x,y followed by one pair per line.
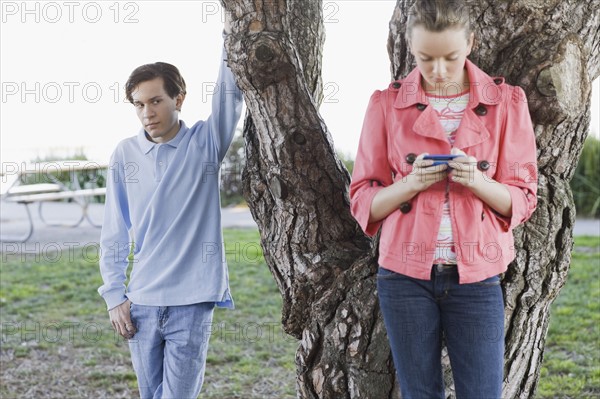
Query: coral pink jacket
x,y
496,127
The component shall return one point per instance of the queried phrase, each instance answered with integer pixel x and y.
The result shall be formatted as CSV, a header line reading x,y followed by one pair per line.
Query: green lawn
x,y
57,341
571,367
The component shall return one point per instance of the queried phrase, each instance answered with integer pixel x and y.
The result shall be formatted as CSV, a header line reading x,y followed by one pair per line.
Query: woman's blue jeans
x,y
469,317
168,351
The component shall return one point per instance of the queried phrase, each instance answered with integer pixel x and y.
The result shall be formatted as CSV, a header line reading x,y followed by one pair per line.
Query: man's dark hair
x,y
173,81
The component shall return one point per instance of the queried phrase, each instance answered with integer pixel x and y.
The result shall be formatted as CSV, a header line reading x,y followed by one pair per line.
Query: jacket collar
x,y
146,145
483,89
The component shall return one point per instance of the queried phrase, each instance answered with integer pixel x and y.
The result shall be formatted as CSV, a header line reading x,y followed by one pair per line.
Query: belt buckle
x,y
440,267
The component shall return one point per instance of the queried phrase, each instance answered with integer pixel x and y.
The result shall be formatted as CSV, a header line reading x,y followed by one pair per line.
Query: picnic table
x,y
39,183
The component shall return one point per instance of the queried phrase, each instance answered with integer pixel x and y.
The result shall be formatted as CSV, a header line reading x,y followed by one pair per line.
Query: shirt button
x,y
405,207
481,110
483,165
161,163
410,158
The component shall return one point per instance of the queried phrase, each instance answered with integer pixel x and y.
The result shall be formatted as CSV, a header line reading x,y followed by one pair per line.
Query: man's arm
x,y
114,246
226,108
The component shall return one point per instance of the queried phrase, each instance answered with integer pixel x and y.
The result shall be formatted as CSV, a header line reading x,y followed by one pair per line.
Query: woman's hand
x,y
424,174
465,171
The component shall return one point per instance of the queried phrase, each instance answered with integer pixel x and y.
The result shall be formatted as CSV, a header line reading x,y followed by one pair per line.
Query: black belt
x,y
440,267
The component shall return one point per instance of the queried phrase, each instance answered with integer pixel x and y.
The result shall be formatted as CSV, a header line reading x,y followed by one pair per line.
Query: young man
x,y
163,199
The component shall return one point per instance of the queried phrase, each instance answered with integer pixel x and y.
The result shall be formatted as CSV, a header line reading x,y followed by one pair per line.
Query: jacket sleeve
x,y
227,104
517,160
114,238
372,170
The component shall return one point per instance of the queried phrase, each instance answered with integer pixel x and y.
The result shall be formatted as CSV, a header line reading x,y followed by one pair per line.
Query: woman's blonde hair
x,y
438,15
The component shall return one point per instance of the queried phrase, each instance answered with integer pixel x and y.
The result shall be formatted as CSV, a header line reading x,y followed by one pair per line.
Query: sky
x,y
63,65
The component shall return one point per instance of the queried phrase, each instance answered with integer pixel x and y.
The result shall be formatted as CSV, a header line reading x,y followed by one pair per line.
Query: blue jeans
x,y
168,351
470,317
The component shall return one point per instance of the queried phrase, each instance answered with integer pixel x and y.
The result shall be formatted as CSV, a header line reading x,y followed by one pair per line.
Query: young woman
x,y
446,225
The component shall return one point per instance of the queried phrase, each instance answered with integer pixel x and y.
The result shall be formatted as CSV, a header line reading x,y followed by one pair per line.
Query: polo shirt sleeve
x,y
517,159
114,238
226,109
372,170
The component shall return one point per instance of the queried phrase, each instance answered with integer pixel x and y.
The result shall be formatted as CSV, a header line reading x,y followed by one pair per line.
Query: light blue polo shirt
x,y
165,199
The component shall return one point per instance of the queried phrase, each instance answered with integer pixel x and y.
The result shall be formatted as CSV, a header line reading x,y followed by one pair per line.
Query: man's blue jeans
x,y
470,317
168,350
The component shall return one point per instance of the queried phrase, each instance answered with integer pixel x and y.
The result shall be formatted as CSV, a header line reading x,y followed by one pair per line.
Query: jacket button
x,y
498,81
396,85
483,165
411,158
421,107
405,207
481,110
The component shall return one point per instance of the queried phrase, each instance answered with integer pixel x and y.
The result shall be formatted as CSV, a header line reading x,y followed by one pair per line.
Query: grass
x,y
250,356
571,367
57,341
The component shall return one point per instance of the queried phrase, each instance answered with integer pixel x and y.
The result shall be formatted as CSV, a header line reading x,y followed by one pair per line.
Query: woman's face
x,y
441,58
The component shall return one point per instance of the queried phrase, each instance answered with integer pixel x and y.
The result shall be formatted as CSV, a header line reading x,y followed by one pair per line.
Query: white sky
x,y
63,65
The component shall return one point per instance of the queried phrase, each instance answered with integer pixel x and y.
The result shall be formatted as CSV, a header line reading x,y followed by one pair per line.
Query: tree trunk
x,y
297,189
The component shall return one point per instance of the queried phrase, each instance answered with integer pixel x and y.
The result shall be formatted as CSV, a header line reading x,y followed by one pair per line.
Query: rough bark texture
x,y
298,190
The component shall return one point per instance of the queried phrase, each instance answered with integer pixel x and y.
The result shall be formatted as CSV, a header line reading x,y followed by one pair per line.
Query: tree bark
x,y
297,189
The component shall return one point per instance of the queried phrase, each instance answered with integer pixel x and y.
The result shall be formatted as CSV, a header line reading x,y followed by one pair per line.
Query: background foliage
x,y
586,181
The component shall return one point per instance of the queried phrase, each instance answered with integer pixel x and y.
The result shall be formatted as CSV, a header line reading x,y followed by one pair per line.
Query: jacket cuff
x,y
520,208
361,210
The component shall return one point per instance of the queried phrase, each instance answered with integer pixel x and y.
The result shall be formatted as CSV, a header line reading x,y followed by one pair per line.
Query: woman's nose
x,y
439,68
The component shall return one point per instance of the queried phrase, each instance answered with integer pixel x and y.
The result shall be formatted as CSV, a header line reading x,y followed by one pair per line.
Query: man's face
x,y
158,112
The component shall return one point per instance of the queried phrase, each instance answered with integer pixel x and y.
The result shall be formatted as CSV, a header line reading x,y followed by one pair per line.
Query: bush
x,y
347,160
586,181
231,172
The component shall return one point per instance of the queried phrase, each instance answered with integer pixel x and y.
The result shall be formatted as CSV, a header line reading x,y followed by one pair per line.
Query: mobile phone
x,y
440,159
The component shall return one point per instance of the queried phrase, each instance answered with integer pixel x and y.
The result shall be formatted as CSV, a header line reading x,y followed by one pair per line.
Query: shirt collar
x,y
147,145
483,88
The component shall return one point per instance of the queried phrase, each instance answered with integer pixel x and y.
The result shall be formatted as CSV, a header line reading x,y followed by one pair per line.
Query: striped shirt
x,y
450,110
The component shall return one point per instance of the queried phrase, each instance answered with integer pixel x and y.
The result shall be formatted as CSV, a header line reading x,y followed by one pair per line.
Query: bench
x,y
26,194
24,198
28,198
